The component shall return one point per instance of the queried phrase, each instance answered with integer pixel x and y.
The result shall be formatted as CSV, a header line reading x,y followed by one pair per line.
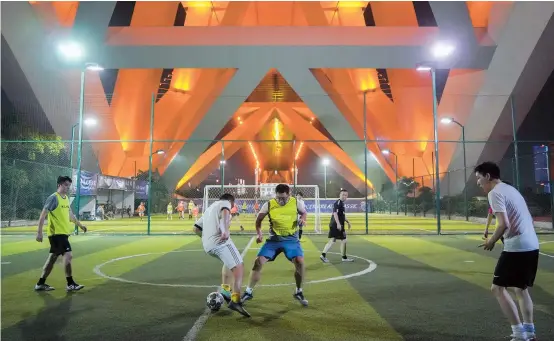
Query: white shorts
x,y
228,254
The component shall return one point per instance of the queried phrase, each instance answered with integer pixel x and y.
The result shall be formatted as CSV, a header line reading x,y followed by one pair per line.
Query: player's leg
x,y
343,248
328,246
67,258
503,277
46,270
232,259
268,252
294,252
526,307
527,266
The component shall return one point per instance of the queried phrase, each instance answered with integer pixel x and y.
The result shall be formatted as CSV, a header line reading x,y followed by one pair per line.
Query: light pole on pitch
x,y
448,120
74,52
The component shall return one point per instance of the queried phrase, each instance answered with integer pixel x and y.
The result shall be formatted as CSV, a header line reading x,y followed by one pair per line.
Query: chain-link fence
x,y
144,162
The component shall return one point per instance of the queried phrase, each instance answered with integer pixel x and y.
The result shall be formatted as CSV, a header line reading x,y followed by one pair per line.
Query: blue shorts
x,y
271,249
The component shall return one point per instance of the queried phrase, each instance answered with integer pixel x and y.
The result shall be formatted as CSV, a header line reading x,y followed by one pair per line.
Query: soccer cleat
x,y
238,308
300,297
246,297
347,260
74,287
226,295
324,259
43,287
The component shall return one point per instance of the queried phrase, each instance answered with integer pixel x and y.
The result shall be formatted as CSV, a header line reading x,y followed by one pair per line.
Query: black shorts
x,y
59,244
336,234
516,269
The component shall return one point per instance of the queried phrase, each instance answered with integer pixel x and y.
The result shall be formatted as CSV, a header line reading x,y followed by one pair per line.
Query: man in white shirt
x,y
518,262
213,227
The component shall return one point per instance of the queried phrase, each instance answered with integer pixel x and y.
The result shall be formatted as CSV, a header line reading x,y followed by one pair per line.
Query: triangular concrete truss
x,y
323,50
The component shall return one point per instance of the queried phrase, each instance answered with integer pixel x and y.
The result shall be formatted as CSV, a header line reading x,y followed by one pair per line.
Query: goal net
x,y
250,198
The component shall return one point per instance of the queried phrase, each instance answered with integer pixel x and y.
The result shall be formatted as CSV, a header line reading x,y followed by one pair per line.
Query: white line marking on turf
x,y
371,267
6,263
549,241
201,321
469,261
547,255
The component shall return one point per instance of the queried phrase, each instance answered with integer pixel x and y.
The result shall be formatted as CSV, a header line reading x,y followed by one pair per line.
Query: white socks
x,y
249,291
519,332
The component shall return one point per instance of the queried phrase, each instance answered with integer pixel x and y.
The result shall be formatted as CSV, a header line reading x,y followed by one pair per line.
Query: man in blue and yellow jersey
x,y
283,213
60,216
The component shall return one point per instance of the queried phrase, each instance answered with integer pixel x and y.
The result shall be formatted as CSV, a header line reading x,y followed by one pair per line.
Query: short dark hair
x,y
489,168
227,196
300,194
282,188
64,178
343,190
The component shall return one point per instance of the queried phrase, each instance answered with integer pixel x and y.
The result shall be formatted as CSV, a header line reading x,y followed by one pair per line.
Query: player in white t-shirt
x,y
518,262
213,227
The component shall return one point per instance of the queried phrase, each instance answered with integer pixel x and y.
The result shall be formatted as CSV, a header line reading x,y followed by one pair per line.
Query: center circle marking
x,y
97,270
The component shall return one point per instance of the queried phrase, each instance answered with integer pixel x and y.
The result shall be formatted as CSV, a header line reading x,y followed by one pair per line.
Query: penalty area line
x,y
201,321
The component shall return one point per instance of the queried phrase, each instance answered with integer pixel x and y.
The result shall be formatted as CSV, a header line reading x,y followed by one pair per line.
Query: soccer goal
x,y
247,196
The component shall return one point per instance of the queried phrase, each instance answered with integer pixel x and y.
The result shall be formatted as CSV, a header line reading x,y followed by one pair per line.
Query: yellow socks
x,y
226,287
235,297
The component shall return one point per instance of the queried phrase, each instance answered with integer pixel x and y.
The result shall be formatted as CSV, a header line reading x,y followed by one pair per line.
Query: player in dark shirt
x,y
336,228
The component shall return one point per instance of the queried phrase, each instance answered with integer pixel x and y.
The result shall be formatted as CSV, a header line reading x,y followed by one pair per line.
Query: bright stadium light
x,y
326,162
71,50
93,67
442,50
423,68
159,152
90,121
447,120
385,151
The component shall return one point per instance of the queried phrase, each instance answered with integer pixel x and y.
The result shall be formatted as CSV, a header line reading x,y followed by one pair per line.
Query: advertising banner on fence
x,y
141,189
110,182
356,205
88,183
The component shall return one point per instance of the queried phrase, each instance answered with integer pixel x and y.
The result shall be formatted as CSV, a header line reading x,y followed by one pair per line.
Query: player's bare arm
x,y
489,221
197,231
336,216
500,228
41,219
74,220
259,220
225,224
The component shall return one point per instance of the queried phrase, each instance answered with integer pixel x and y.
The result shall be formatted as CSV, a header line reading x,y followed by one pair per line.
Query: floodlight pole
x,y
222,166
72,143
436,133
465,167
325,179
365,166
79,146
153,102
514,131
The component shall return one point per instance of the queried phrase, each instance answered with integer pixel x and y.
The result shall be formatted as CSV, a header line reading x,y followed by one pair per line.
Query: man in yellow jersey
x,y
60,216
283,213
170,211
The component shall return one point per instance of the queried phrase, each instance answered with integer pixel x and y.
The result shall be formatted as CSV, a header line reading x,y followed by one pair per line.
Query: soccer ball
x,y
214,301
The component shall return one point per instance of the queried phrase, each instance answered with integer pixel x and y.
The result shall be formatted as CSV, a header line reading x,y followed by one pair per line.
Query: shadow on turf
x,y
48,324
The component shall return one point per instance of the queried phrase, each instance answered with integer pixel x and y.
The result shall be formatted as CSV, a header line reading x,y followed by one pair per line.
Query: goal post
x,y
246,197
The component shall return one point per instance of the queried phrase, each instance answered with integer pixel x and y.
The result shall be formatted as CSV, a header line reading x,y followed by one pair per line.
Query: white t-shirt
x,y
209,223
520,234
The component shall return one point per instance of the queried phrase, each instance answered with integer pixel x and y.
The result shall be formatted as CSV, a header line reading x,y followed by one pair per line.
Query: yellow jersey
x,y
58,218
283,219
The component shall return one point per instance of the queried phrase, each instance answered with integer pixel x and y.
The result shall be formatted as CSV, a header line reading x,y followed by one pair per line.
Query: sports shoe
x,y
74,287
300,297
226,295
246,297
324,259
238,308
43,287
347,260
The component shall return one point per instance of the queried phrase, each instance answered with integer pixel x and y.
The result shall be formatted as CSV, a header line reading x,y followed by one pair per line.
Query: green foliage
x,y
29,171
160,192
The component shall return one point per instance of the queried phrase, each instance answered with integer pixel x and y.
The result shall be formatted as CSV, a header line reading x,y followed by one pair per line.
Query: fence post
x,y
514,131
153,102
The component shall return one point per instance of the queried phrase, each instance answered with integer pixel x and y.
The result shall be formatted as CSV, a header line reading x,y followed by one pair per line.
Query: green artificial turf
x,y
423,288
